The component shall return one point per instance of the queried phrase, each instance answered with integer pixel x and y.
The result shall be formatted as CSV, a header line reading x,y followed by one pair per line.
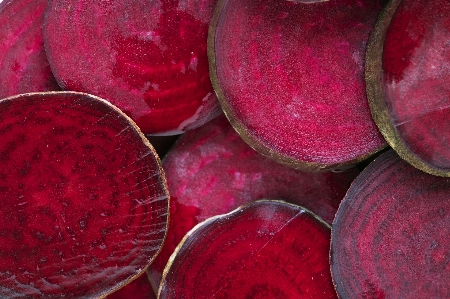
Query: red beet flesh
x,y
137,289
416,59
212,171
146,57
83,197
23,64
291,78
390,235
265,250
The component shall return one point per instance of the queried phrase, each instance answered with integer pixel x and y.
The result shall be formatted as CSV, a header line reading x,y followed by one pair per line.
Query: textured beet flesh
x,y
23,64
267,249
291,78
83,197
146,57
416,59
139,288
212,171
390,235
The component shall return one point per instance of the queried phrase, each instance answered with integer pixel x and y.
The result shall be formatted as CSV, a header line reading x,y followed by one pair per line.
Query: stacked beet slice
x,y
84,202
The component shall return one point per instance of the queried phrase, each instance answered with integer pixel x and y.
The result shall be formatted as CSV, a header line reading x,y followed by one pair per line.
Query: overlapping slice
x,y
83,197
23,64
390,235
212,171
146,57
268,249
407,81
290,77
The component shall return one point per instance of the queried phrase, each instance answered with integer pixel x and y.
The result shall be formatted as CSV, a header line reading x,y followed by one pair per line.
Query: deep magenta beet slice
x,y
267,249
212,171
407,74
84,203
23,64
290,77
146,57
139,288
390,235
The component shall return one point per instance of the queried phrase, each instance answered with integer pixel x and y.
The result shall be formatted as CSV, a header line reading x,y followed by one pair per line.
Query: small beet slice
x,y
212,171
407,74
290,77
390,235
268,249
146,57
139,288
23,64
83,197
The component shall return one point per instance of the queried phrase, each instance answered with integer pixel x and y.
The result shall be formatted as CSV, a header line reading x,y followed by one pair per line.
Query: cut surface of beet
x,y
212,171
290,77
146,57
83,197
390,235
139,288
23,64
268,249
407,75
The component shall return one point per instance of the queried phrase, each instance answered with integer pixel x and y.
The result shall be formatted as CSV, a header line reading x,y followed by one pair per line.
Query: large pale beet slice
x,y
407,81
146,57
211,171
84,202
390,234
290,77
268,249
23,64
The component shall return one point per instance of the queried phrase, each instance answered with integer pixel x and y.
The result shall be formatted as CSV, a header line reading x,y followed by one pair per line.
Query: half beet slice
x,y
83,197
407,81
290,77
146,57
212,171
390,235
268,249
23,64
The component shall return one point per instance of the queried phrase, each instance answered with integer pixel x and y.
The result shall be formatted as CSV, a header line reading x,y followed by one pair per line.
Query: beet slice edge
x,y
84,244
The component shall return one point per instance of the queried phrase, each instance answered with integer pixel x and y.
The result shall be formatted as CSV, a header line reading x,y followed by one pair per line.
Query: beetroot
x,y
23,64
147,57
290,77
267,249
407,75
137,289
83,197
212,171
390,235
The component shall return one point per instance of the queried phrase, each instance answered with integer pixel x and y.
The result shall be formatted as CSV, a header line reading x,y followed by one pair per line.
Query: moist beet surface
x,y
83,197
415,62
291,78
390,235
268,249
137,289
23,64
212,171
146,57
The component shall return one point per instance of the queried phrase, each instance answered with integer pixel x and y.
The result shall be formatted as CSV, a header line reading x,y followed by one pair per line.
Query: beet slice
x,y
290,77
147,57
84,198
211,171
139,288
390,235
23,64
407,62
268,249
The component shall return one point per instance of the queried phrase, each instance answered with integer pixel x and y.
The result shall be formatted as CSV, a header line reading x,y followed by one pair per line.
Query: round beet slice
x,y
407,73
390,235
268,249
139,288
212,171
290,77
23,64
84,202
146,57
